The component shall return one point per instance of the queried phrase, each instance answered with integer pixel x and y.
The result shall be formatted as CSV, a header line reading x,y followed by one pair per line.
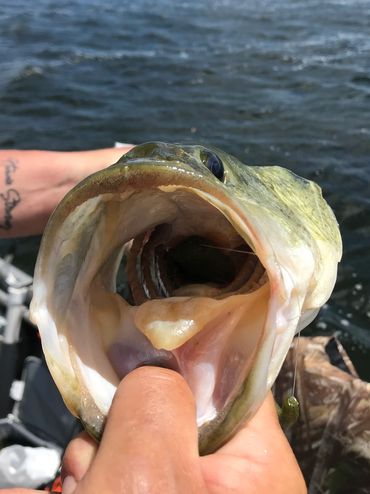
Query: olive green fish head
x,y
182,257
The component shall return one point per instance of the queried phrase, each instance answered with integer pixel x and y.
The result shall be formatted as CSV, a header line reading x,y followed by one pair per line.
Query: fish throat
x,y
162,263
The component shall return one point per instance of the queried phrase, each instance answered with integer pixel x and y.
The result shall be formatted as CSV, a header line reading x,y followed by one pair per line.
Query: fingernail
x,y
69,485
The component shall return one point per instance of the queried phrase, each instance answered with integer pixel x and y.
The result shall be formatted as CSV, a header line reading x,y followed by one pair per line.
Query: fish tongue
x,y
169,323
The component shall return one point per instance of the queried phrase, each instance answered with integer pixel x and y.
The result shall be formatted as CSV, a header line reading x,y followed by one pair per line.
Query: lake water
x,y
273,82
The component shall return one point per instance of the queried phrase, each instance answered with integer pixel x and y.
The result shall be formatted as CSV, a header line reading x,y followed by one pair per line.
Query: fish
x,y
183,257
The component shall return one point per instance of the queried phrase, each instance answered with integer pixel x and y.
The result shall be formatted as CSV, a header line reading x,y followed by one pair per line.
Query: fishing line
x,y
229,249
290,409
296,355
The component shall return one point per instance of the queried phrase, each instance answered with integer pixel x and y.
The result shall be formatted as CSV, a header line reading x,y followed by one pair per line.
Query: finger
x,y
150,439
264,425
259,447
78,456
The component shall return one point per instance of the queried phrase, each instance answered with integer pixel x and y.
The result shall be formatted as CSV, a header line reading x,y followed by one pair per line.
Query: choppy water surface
x,y
273,82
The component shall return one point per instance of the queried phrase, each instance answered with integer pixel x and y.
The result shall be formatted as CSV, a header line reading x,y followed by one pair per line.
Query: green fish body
x,y
183,257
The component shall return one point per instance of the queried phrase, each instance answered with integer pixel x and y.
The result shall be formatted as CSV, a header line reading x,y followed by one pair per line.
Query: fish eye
x,y
214,164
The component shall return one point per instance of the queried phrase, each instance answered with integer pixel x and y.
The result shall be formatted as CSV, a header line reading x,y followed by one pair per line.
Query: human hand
x,y
150,445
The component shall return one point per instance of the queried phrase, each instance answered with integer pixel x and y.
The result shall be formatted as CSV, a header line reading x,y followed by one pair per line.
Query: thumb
x,y
150,442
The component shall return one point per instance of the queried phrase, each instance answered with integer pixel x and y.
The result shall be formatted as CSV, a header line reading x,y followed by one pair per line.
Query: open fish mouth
x,y
181,257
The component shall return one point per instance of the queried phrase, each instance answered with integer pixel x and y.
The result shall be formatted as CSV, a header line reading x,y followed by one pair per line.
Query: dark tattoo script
x,y
10,167
8,202
10,197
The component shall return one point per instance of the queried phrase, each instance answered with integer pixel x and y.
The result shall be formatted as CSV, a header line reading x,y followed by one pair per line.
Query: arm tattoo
x,y
10,167
9,197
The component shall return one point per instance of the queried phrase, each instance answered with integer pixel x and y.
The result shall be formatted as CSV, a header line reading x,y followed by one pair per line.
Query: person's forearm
x,y
33,182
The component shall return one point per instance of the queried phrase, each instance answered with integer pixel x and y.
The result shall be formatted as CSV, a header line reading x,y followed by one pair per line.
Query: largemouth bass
x,y
221,263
